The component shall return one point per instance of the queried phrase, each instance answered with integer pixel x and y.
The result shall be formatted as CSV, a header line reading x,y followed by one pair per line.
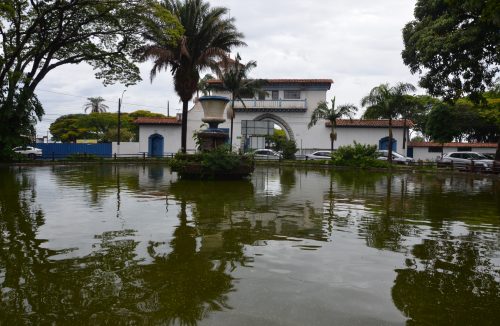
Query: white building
x,y
428,151
289,103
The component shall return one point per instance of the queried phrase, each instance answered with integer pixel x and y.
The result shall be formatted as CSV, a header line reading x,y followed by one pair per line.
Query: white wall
x,y
422,153
171,137
125,149
317,137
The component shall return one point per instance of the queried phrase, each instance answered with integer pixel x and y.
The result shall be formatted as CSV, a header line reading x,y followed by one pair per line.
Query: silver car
x,y
29,151
464,159
319,155
383,155
266,154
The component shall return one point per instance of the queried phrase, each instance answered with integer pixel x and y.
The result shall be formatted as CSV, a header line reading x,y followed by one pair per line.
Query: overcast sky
x,y
357,43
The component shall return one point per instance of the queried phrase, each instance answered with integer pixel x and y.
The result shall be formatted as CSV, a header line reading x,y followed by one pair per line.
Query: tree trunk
x,y
404,136
389,156
232,117
184,125
332,136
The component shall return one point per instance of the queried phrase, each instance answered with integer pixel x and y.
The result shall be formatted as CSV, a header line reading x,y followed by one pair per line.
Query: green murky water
x,y
134,245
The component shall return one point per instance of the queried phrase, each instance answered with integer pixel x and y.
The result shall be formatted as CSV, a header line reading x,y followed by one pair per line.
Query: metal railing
x,y
271,104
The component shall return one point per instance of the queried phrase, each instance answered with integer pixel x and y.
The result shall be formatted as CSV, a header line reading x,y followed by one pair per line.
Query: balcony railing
x,y
258,105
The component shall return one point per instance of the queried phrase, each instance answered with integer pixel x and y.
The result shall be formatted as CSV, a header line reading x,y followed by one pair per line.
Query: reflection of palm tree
x,y
208,37
184,285
95,105
323,112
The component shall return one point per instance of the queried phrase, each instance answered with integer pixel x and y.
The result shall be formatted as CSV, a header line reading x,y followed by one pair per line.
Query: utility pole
x,y
119,117
168,108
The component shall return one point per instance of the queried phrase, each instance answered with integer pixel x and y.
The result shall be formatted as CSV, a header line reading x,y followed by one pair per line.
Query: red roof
x,y
288,81
431,144
358,123
157,121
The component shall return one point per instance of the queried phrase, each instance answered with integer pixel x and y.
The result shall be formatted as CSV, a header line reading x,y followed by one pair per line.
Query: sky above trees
x,y
358,44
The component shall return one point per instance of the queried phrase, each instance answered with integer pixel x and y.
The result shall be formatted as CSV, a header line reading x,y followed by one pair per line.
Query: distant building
x,y
430,151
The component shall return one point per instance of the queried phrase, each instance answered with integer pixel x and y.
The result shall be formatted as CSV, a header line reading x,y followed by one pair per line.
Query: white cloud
x,y
357,43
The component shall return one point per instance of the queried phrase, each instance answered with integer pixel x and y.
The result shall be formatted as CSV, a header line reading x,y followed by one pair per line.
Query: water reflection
x,y
139,246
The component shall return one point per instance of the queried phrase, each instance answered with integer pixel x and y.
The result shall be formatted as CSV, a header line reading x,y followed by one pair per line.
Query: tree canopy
x,y
100,126
40,36
323,112
456,45
207,37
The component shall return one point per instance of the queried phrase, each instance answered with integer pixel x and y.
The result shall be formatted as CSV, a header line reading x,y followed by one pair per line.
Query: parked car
x,y
29,151
396,157
319,155
266,154
490,156
464,159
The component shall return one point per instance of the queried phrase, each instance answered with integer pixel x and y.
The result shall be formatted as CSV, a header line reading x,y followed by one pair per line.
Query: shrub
x,y
357,155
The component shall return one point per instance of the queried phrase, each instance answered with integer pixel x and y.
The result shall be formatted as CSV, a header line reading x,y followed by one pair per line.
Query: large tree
x,y
40,36
323,112
387,102
456,44
208,36
235,80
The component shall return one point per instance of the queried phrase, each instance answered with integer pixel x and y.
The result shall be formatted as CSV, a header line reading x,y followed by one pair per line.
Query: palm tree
x,y
203,85
386,102
207,38
323,112
234,78
95,105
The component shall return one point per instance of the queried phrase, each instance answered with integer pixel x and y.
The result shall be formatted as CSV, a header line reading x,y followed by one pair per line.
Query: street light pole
x,y
119,116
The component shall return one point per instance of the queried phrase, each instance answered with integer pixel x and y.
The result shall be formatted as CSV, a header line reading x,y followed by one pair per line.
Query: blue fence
x,y
64,150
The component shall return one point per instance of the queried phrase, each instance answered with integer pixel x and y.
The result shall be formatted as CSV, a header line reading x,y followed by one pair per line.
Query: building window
x,y
435,149
292,95
262,96
464,149
275,95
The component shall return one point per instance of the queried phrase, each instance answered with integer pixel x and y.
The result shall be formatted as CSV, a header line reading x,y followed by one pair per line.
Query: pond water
x,y
135,245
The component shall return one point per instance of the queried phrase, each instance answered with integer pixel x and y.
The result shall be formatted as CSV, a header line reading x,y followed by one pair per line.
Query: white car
x,y
30,151
266,154
466,158
319,155
396,157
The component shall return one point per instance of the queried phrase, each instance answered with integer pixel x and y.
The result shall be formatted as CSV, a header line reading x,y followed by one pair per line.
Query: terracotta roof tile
x,y
362,123
287,81
432,144
157,121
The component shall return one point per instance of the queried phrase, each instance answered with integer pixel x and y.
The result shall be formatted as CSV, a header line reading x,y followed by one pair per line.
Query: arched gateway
x,y
278,120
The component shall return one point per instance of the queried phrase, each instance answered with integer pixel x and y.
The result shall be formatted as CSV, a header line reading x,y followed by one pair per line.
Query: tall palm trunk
x,y
184,125
332,135
404,135
232,118
389,157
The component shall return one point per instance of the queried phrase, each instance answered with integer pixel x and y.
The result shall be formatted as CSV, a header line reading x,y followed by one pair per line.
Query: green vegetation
x,y
323,112
235,80
456,43
220,162
95,105
40,36
280,143
387,102
207,37
100,126
358,155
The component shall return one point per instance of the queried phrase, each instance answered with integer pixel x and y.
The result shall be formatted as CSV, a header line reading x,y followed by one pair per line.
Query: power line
x,y
79,96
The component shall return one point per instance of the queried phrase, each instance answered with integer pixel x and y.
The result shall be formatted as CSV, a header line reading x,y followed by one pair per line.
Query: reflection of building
x,y
289,103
